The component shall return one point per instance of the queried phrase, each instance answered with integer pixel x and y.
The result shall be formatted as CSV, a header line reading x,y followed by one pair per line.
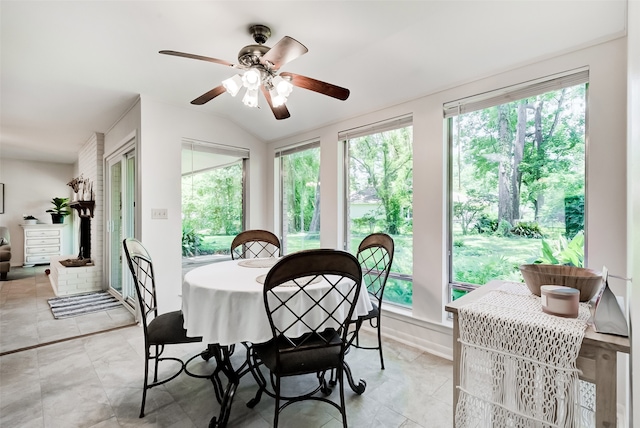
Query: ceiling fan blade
x,y
279,112
317,86
208,96
200,57
287,49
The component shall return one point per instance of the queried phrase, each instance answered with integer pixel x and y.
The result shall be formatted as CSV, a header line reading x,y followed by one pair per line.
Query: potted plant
x,y
60,210
29,219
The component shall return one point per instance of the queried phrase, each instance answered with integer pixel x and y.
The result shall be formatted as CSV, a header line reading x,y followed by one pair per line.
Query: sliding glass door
x,y
120,211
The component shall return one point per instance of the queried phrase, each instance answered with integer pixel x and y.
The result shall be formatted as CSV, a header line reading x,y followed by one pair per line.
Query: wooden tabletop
x,y
591,337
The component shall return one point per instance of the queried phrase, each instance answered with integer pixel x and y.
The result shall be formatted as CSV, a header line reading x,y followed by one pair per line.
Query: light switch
x,y
160,213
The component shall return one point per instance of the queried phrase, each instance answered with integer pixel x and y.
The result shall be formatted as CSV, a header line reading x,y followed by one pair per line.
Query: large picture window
x,y
379,196
212,199
517,180
299,183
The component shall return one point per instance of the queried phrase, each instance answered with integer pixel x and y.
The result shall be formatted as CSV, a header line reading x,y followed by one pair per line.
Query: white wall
x,y
606,181
160,128
633,192
28,189
121,131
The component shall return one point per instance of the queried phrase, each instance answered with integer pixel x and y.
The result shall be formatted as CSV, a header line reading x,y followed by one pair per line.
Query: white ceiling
x,y
72,68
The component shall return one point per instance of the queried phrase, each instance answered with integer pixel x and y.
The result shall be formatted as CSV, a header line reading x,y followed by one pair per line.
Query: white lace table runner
x,y
518,364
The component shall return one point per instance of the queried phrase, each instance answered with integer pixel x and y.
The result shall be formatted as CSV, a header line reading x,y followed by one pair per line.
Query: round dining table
x,y
223,302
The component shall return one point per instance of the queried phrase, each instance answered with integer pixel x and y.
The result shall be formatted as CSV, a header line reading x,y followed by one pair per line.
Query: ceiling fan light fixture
x,y
233,85
252,79
276,99
250,98
282,86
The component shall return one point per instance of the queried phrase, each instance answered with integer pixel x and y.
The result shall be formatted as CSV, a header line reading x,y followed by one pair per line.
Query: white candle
x,y
560,300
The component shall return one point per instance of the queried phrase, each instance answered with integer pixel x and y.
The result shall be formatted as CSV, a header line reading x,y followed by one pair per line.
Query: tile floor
x,y
96,381
26,319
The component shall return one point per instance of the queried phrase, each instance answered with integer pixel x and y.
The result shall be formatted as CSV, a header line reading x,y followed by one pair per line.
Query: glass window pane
x,y
212,203
115,205
300,196
517,187
380,199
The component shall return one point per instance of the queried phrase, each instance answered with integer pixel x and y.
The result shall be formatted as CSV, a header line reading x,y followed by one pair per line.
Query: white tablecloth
x,y
223,303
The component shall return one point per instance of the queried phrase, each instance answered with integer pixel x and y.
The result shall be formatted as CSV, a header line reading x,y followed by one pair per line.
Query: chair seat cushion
x,y
169,328
315,355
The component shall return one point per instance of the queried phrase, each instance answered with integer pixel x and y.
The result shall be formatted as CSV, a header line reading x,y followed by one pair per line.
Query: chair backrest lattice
x,y
375,255
141,268
255,243
310,295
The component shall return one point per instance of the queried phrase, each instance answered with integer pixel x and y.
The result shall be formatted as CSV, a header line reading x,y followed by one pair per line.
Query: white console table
x,y
41,241
597,359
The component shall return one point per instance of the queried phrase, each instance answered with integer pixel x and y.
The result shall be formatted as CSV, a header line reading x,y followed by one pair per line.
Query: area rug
x,y
71,306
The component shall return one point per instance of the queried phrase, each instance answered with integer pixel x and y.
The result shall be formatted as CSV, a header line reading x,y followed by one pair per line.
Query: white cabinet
x,y
41,241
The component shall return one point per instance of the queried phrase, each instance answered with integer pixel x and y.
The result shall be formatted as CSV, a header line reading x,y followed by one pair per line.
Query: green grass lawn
x,y
217,244
302,241
477,258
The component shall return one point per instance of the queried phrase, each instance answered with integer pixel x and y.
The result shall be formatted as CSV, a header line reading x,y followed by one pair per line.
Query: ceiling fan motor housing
x,y
251,54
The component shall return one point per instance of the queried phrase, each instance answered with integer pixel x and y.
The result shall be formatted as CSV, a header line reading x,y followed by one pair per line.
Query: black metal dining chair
x,y
255,243
375,254
309,324
159,329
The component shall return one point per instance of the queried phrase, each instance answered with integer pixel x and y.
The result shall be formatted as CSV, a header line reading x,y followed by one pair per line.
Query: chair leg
x,y
357,333
343,407
146,382
380,344
277,409
324,386
158,349
156,362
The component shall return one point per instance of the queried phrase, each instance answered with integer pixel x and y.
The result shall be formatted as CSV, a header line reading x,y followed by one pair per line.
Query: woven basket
x,y
586,280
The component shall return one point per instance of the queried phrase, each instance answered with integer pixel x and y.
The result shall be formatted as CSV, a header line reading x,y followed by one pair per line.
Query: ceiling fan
x,y
260,67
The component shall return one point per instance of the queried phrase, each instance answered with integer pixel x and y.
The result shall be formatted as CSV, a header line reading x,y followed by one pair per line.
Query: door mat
x,y
72,306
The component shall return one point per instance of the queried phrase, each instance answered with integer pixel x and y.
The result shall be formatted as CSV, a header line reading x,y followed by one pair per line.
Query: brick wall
x,y
90,165
73,280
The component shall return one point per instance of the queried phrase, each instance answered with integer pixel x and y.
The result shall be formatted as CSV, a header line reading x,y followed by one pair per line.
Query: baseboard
x,y
436,339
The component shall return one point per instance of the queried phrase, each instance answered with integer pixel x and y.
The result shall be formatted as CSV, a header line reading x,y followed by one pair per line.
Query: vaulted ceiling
x,y
72,68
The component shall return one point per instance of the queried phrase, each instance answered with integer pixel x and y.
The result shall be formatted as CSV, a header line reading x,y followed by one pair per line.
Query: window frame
x,y
344,137
227,150
279,155
495,98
